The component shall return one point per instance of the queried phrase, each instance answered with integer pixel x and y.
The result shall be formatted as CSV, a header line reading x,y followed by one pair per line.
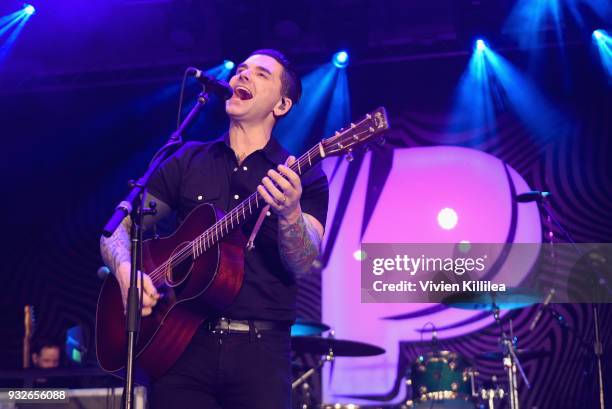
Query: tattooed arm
x,y
299,242
115,252
116,248
299,234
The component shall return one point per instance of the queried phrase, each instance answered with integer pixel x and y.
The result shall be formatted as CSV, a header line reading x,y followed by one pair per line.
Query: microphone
x,y
103,272
218,87
542,308
533,196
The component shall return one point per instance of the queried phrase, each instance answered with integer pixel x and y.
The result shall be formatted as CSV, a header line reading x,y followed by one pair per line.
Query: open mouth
x,y
243,93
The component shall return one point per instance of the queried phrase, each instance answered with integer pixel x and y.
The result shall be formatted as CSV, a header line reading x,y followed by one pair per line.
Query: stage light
x,y
228,64
602,37
474,108
341,59
491,84
13,24
603,44
29,9
481,45
530,22
447,218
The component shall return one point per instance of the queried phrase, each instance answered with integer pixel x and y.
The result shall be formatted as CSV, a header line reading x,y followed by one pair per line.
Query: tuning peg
x,y
349,156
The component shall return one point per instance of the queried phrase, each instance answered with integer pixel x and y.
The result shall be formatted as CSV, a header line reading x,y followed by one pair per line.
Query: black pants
x,y
229,371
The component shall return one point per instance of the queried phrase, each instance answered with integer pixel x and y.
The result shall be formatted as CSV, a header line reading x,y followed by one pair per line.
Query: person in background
x,y
46,353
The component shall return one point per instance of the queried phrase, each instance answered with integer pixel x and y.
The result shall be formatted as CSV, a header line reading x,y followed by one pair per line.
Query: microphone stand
x,y
134,206
598,344
511,361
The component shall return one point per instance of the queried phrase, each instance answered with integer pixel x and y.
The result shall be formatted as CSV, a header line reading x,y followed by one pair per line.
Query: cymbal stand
x,y
326,358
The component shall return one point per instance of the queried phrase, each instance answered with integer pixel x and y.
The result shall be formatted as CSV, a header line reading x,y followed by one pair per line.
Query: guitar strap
x,y
251,243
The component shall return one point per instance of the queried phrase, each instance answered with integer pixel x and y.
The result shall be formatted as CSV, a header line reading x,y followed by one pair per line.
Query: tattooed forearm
x,y
116,248
298,244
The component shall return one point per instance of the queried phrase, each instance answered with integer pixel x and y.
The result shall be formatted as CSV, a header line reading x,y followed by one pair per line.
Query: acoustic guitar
x,y
198,268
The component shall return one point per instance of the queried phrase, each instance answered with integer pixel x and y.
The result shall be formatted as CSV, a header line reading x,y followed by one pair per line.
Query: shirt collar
x,y
273,150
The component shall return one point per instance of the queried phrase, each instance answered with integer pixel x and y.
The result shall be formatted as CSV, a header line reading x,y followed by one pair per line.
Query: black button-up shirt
x,y
209,172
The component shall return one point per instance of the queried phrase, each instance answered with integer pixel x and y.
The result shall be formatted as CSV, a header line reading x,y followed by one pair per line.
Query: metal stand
x,y
511,362
305,393
133,205
598,352
490,395
598,345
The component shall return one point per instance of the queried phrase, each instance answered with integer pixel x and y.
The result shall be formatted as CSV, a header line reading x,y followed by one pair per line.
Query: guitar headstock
x,y
29,321
345,140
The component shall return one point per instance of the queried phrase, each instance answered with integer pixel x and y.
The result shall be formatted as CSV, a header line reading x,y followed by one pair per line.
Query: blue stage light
x,y
481,45
531,22
29,9
598,34
341,59
228,64
603,43
13,24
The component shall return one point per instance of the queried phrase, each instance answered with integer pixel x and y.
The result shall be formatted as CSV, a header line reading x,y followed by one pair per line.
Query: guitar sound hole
x,y
179,270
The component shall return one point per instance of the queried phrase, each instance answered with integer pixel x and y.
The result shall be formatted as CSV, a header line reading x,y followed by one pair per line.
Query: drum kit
x,y
438,379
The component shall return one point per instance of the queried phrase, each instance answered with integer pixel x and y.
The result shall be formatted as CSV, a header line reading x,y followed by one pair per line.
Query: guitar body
x,y
209,282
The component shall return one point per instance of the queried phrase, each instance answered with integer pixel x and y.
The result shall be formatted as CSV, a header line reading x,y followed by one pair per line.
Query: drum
x,y
354,406
442,379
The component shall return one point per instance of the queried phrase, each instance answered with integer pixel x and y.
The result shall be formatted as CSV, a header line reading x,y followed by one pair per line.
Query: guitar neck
x,y
28,323
251,204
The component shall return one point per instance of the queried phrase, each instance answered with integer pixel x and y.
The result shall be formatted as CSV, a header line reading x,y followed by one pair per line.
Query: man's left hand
x,y
282,190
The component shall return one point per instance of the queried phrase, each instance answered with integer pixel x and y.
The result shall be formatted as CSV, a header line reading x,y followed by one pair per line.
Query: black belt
x,y
226,325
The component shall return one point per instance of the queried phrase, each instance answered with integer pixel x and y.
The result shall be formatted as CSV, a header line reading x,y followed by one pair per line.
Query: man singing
x,y
236,370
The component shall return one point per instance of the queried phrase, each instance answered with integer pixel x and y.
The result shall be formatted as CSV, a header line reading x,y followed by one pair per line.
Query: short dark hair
x,y
290,80
39,343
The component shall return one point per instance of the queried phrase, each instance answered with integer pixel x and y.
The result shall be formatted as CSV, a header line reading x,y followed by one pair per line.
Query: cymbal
x,y
522,354
305,327
340,347
511,299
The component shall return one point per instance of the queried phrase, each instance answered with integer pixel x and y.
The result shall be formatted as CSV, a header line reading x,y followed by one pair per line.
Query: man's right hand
x,y
150,294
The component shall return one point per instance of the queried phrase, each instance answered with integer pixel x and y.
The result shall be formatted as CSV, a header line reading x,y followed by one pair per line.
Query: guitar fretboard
x,y
244,210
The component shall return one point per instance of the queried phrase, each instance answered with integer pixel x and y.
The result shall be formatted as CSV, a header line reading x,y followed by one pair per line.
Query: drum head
x,y
445,404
